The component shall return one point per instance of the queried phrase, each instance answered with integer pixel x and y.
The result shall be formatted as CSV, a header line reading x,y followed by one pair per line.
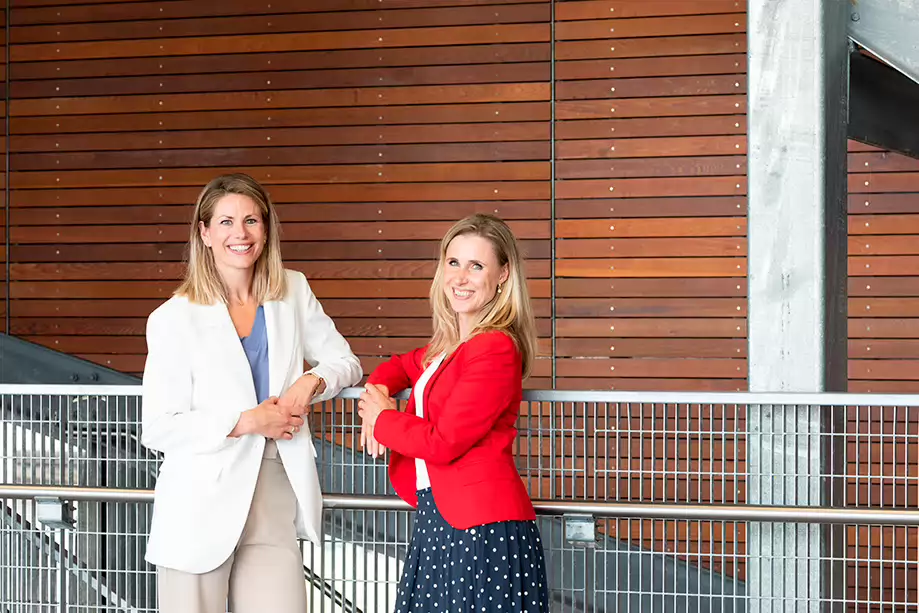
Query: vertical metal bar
x,y
552,212
7,206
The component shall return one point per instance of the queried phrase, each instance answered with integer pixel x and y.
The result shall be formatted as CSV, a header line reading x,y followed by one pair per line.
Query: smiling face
x,y
471,277
235,234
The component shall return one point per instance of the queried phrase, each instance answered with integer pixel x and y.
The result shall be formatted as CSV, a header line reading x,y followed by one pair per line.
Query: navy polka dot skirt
x,y
495,568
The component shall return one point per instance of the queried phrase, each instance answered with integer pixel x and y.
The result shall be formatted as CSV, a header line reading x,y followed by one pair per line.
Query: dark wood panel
x,y
653,328
633,167
276,80
651,67
653,347
652,46
675,106
883,265
315,98
881,161
653,367
889,369
309,41
680,206
652,267
658,385
883,286
651,227
292,250
879,349
727,146
652,288
170,124
292,231
612,90
324,289
348,326
872,204
883,245
883,387
883,307
283,195
300,21
139,271
651,247
621,9
647,307
652,26
650,127
56,12
215,159
267,142
344,193
869,183
652,187
114,213
901,328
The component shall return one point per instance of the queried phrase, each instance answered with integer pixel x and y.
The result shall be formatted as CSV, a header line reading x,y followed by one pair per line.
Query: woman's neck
x,y
239,285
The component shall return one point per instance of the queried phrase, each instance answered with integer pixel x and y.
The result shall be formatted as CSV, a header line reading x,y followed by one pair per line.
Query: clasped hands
x,y
280,417
373,401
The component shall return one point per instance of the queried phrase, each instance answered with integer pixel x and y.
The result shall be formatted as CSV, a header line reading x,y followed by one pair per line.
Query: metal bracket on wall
x,y
54,513
581,530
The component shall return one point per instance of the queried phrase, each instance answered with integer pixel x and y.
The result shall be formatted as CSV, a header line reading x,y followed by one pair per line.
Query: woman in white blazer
x,y
224,397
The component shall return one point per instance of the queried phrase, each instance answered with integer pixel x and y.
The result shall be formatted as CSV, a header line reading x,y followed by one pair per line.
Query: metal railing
x,y
647,501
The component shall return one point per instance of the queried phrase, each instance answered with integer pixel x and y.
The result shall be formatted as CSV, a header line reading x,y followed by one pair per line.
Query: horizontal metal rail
x,y
679,398
619,510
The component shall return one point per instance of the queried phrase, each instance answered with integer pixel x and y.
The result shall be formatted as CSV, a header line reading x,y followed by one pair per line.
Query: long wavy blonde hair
x,y
203,283
509,311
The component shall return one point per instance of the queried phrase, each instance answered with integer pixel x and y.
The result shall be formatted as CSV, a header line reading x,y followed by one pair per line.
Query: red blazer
x,y
467,434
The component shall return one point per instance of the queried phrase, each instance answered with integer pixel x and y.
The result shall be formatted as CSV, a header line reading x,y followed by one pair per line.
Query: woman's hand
x,y
300,394
270,419
372,402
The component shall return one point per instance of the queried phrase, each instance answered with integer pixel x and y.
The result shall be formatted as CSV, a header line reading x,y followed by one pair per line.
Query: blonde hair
x,y
509,311
203,283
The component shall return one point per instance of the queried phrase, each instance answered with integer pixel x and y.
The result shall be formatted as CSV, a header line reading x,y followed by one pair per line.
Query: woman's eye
x,y
226,222
252,222
477,267
452,263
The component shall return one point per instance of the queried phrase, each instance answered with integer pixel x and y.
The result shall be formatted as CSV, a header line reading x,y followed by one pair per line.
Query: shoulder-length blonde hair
x,y
203,284
509,311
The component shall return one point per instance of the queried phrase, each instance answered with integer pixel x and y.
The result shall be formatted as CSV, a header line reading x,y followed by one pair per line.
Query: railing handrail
x,y
581,396
620,510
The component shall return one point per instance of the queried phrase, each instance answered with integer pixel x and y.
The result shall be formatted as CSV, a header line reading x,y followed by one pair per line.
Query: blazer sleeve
x,y
327,351
400,372
168,423
490,381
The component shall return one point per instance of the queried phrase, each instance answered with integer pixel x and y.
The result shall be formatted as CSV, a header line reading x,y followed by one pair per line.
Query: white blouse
x,y
421,469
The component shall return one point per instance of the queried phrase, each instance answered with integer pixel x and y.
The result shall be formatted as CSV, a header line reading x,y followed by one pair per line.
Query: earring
x,y
499,289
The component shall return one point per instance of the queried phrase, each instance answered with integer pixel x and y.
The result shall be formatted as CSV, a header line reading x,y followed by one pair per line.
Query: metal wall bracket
x,y
54,513
581,530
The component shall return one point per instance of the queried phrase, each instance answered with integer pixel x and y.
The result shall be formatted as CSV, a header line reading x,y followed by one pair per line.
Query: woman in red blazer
x,y
475,544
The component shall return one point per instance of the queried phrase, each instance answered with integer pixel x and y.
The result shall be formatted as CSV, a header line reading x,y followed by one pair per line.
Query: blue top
x,y
256,347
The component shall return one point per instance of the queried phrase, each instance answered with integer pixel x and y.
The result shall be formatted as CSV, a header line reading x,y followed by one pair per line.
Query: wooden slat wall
x,y
3,138
374,130
376,127
650,188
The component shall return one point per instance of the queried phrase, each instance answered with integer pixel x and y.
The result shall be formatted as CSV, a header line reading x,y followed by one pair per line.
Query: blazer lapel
x,y
215,322
279,322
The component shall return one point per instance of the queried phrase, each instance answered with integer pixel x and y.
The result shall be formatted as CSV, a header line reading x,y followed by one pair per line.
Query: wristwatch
x,y
318,378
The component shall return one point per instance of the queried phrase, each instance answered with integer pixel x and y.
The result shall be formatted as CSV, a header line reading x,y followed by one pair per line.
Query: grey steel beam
x,y
797,75
890,30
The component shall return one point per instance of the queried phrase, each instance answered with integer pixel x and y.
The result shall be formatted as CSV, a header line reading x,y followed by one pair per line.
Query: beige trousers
x,y
264,573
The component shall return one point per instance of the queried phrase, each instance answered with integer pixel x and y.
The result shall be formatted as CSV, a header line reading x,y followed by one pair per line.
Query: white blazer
x,y
196,383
